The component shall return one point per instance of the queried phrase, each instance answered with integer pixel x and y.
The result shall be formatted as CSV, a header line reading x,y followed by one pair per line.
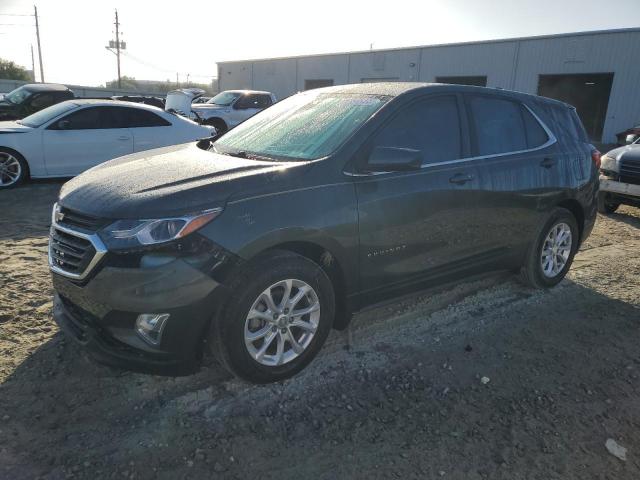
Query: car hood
x,y
170,181
631,152
13,127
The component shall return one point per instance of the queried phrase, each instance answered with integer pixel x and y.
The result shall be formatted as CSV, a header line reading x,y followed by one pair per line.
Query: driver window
x,y
42,100
247,101
91,118
431,126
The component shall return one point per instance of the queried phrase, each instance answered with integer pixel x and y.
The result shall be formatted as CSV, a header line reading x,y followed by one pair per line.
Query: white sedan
x,y
73,136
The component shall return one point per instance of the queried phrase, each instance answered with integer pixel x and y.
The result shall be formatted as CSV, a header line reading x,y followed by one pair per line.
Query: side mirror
x,y
394,159
630,139
64,125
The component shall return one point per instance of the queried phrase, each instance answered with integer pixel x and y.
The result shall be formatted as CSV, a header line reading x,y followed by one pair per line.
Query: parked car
x,y
628,136
179,101
231,107
620,177
28,99
146,99
329,202
72,136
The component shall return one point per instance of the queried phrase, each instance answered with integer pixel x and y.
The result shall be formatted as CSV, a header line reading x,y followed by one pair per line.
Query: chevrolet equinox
x,y
254,246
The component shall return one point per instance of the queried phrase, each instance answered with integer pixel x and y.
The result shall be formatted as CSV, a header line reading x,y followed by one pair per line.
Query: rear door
x,y
149,129
83,139
413,224
517,164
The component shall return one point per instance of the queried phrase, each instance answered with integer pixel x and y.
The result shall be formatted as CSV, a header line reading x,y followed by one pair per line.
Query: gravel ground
x,y
487,379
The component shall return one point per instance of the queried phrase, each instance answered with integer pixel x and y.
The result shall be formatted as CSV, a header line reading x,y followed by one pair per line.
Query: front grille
x,y
70,253
630,171
75,219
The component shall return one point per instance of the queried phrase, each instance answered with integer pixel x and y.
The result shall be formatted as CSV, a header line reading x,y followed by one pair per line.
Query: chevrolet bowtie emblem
x,y
59,216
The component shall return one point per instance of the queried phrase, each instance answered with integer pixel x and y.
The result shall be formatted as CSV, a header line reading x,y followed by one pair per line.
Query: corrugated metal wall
x,y
510,64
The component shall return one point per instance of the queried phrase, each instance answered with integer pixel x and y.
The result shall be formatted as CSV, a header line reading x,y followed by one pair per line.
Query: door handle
x,y
547,163
461,178
124,138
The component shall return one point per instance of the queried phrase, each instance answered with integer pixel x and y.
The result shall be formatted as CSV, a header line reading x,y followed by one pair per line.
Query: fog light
x,y
150,325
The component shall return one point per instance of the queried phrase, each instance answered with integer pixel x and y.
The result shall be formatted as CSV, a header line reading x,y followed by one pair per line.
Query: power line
x,y
15,15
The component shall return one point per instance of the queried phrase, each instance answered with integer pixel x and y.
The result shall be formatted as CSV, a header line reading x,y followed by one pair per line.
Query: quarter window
x,y
431,126
498,125
137,118
536,135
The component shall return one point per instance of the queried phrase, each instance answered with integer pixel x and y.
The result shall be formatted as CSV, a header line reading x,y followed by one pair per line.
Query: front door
x,y
413,224
83,139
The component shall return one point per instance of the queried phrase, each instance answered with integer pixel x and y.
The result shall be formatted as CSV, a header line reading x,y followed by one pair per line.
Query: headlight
x,y
608,163
124,234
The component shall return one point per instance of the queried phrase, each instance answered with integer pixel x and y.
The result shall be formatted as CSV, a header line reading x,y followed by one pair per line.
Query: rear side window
x,y
569,125
536,135
263,101
137,118
431,126
498,125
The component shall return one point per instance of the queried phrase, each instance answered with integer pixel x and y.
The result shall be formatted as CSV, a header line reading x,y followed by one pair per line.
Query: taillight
x,y
596,157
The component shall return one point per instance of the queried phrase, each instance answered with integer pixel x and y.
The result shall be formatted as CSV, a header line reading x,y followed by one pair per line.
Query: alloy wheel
x,y
556,250
10,169
282,322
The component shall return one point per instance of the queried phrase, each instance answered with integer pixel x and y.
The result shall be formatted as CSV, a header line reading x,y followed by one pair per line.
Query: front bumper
x,y
101,314
621,188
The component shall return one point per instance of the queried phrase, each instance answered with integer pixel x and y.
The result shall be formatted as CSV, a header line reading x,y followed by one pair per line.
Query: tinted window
x,y
569,123
43,100
136,117
498,125
263,101
431,126
536,135
91,118
247,101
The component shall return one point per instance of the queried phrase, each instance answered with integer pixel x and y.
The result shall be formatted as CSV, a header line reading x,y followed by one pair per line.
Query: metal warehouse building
x,y
597,72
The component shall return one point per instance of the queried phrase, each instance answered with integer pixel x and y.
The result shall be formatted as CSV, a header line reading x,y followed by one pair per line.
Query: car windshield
x,y
224,98
18,95
43,116
306,126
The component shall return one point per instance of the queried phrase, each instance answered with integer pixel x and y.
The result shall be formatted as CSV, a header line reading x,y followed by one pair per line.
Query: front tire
x,y
13,169
605,205
278,315
551,254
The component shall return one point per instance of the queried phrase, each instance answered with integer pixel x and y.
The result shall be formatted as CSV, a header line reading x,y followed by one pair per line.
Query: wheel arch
x,y
332,266
576,209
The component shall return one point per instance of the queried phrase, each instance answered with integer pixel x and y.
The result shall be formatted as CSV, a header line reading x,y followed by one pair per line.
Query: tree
x,y
11,71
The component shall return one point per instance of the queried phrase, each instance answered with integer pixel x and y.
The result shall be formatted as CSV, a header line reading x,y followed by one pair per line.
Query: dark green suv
x,y
330,201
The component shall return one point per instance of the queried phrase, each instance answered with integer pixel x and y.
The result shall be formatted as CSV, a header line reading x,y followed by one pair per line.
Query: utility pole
x,y
35,14
188,75
118,48
33,65
177,81
115,46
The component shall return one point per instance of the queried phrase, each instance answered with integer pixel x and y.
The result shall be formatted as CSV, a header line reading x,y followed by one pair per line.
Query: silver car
x,y
231,107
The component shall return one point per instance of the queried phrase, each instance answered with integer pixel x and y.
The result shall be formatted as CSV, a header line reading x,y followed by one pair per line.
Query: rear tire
x,y
257,335
551,254
14,169
605,205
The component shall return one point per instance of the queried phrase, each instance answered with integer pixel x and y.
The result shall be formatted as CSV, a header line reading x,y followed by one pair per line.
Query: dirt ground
x,y
487,379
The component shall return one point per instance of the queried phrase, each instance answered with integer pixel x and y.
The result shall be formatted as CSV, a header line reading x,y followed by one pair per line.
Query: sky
x,y
189,37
